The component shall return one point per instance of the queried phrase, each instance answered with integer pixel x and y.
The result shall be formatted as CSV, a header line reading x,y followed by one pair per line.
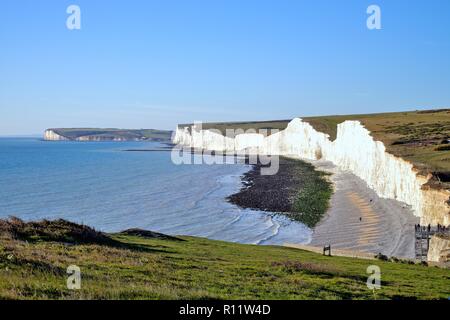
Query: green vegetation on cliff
x,y
142,265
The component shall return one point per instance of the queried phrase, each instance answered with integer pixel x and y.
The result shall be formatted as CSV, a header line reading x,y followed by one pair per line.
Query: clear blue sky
x,y
152,64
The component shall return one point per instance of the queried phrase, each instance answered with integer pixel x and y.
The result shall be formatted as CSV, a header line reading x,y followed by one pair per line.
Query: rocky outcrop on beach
x,y
296,190
354,150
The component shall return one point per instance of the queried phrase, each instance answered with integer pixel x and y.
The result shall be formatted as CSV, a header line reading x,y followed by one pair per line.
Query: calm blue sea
x,y
101,185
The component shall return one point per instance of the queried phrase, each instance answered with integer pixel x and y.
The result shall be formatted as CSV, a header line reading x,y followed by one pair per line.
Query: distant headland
x,y
109,134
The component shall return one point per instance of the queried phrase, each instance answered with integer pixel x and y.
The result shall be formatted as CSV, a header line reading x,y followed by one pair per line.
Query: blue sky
x,y
153,64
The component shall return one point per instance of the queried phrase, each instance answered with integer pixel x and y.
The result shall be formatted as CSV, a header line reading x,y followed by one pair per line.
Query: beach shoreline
x,y
357,219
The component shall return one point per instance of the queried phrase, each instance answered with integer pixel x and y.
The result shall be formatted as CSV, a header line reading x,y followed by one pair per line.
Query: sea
x,y
103,185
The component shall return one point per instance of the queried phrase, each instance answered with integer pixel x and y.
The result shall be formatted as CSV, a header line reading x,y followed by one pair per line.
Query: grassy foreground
x,y
34,259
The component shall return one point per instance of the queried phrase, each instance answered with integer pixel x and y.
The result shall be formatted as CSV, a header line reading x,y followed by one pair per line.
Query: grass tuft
x,y
57,230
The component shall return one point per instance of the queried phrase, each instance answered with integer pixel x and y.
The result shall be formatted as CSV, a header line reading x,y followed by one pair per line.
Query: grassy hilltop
x,y
144,265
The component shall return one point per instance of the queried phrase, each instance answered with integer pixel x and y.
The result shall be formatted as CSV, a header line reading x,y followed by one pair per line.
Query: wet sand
x,y
359,220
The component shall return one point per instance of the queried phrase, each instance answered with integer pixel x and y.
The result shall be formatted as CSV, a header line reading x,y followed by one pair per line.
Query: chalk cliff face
x,y
51,135
100,138
439,249
354,150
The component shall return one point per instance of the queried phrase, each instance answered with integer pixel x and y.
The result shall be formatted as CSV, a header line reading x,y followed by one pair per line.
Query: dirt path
x,y
359,220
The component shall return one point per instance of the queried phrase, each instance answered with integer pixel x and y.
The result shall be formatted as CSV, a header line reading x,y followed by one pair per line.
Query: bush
x,y
395,259
381,257
58,230
445,147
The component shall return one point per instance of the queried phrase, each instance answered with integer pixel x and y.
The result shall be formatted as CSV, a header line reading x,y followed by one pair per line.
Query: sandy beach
x,y
359,220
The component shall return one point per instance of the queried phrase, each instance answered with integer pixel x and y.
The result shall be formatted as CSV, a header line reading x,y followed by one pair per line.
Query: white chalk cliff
x,y
354,150
51,135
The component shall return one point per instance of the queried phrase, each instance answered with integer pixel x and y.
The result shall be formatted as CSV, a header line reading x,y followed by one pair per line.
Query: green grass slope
x,y
139,265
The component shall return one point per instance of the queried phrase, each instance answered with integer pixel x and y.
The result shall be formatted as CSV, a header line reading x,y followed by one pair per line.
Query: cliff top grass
x,y
244,125
147,267
129,134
